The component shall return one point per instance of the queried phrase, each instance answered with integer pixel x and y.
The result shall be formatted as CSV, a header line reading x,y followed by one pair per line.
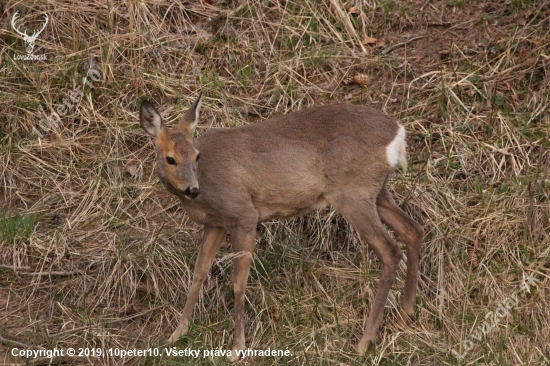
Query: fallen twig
x,y
11,342
402,44
108,321
55,273
13,268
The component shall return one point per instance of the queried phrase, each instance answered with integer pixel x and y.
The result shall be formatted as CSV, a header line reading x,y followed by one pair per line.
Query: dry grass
x,y
94,253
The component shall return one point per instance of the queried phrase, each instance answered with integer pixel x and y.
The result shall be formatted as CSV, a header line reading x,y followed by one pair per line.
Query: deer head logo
x,y
29,40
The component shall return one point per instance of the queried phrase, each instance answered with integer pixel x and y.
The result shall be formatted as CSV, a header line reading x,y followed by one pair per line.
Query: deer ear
x,y
150,119
191,117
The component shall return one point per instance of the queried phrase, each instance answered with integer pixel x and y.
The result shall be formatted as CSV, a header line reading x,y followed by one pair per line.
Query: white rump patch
x,y
396,151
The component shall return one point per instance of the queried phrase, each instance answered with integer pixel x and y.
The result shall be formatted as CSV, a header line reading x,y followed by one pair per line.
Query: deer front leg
x,y
213,237
243,241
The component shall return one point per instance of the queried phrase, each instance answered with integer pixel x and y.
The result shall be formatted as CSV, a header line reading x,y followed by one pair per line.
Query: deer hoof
x,y
364,345
405,319
180,331
237,350
236,354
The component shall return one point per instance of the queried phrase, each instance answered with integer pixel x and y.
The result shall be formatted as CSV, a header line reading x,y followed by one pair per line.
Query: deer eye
x,y
170,160
198,156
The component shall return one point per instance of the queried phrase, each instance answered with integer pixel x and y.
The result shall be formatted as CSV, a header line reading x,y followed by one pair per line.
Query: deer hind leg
x,y
363,216
213,237
243,240
410,233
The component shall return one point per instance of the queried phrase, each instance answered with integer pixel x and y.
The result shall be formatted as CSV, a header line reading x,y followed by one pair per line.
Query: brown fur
x,y
282,167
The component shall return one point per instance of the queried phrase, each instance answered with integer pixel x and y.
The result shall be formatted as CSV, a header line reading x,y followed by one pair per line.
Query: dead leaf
x,y
369,40
132,169
128,310
144,289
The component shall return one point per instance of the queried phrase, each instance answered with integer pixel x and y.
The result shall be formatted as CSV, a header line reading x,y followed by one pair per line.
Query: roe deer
x,y
339,155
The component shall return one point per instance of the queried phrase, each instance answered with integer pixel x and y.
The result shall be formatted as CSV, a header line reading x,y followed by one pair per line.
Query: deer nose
x,y
192,192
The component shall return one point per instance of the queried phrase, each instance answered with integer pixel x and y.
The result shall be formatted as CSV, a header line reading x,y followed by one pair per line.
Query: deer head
x,y
177,156
29,40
